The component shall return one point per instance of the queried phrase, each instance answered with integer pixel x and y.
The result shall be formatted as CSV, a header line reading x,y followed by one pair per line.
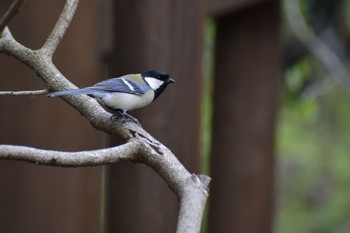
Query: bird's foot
x,y
125,117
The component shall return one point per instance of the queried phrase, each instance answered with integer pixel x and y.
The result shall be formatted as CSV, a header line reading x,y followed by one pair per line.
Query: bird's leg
x,y
122,114
118,114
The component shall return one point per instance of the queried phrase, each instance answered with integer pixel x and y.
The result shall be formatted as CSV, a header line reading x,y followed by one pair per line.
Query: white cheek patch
x,y
128,84
154,83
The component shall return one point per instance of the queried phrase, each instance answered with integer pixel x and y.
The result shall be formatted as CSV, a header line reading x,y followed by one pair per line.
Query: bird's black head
x,y
156,74
157,80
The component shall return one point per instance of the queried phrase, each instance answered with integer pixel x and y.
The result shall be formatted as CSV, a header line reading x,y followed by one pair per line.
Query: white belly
x,y
126,101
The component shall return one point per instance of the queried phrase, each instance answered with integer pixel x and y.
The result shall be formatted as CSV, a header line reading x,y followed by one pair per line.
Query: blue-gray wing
x,y
119,85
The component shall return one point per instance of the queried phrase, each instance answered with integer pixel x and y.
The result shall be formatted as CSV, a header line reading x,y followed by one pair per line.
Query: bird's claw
x,y
125,117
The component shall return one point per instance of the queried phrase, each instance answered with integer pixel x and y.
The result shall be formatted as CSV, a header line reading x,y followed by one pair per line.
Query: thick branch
x,y
191,189
10,13
195,194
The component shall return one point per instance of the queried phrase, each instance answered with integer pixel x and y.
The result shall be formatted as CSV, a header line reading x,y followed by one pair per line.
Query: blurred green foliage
x,y
313,152
313,174
207,105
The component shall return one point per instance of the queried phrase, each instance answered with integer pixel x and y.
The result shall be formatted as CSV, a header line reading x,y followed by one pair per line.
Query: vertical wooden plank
x,y
165,35
44,199
245,99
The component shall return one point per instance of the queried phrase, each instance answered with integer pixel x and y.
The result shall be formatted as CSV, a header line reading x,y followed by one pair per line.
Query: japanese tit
x,y
125,93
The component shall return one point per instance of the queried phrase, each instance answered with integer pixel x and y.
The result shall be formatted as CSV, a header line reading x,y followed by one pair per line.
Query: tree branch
x,y
125,152
24,93
10,13
140,146
60,28
190,189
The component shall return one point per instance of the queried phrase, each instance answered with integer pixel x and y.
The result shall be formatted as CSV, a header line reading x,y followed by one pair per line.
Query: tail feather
x,y
86,91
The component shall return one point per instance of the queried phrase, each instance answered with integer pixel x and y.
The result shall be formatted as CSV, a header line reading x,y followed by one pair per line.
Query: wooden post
x,y
245,99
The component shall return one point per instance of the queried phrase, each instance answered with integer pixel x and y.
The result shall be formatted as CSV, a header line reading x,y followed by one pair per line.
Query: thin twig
x,y
24,93
11,12
60,28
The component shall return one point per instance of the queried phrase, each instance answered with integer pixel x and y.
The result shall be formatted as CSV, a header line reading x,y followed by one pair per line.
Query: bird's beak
x,y
170,80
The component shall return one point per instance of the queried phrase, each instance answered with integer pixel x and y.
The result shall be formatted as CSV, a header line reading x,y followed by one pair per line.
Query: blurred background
x,y
259,104
312,147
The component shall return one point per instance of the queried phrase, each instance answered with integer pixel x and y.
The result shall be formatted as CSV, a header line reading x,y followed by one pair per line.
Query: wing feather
x,y
118,85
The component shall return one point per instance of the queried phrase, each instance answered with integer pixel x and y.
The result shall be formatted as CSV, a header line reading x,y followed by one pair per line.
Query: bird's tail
x,y
86,91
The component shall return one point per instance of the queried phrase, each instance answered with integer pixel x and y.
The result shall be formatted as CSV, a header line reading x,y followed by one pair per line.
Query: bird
x,y
125,93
